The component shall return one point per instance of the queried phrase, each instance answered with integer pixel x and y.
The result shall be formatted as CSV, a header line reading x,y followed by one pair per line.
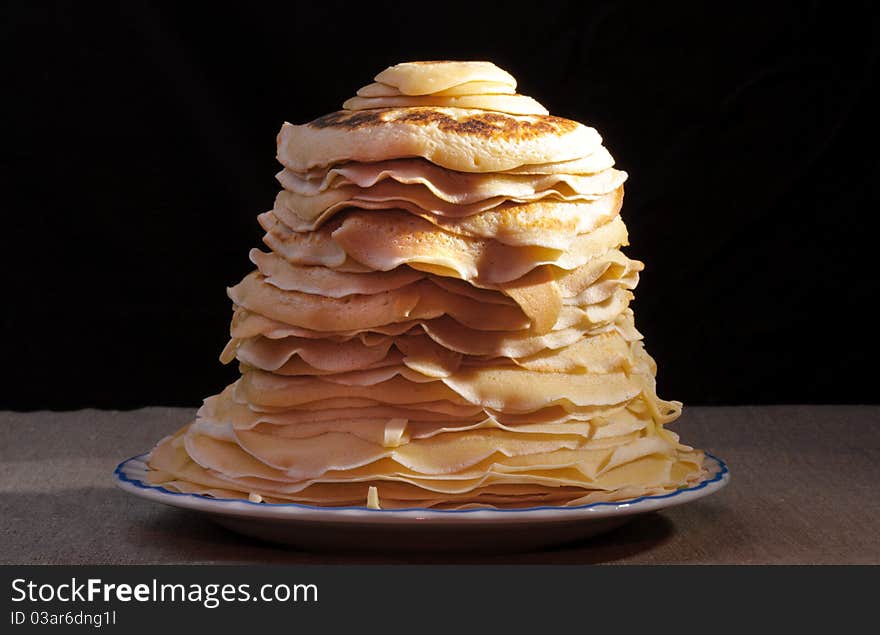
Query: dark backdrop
x,y
138,148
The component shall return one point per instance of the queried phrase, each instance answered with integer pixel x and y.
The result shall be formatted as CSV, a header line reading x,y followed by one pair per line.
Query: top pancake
x,y
466,140
425,78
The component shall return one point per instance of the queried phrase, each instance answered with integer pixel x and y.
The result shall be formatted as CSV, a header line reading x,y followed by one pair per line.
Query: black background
x,y
138,148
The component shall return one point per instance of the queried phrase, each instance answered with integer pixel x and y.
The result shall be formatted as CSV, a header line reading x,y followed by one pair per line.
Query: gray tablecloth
x,y
803,490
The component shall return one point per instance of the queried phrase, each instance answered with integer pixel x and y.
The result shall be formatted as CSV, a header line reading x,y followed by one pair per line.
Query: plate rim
x,y
126,476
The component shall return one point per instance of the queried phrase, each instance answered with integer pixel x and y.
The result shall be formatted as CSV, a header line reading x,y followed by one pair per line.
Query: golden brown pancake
x,y
454,138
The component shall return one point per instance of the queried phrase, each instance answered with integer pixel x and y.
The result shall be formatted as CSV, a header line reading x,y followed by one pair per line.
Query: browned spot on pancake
x,y
483,124
348,119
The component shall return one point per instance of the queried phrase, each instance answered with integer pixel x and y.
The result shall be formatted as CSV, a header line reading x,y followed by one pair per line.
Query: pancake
x,y
461,188
385,241
543,223
320,280
511,104
425,78
378,89
460,139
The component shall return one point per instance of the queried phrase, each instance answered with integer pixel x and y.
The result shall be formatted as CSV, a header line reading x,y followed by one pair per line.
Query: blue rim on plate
x,y
130,475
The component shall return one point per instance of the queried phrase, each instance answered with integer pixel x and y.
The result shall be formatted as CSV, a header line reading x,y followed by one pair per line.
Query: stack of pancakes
x,y
442,319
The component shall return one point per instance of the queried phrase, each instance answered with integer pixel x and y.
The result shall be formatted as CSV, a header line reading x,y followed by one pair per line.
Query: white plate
x,y
350,528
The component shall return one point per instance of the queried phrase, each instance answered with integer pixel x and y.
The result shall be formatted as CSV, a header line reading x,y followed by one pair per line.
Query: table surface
x,y
803,490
